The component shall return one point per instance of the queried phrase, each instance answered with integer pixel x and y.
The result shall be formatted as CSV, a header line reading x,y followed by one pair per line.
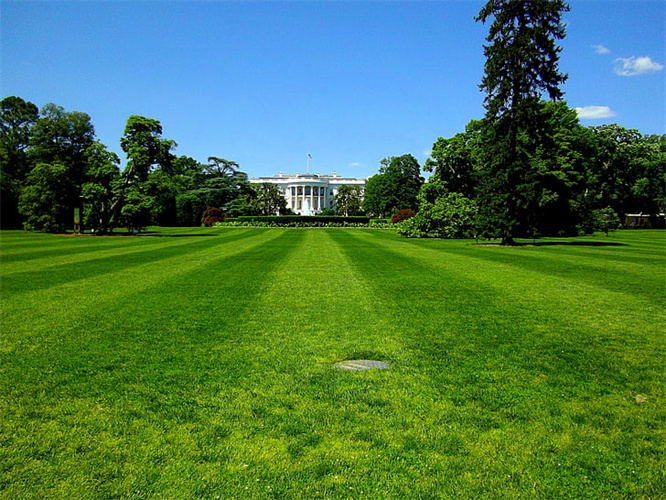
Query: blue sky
x,y
350,82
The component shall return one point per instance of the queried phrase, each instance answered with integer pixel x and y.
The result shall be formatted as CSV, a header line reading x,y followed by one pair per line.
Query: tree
x,y
45,202
521,65
348,200
629,170
267,199
605,219
63,136
146,151
454,160
394,188
17,120
58,145
101,188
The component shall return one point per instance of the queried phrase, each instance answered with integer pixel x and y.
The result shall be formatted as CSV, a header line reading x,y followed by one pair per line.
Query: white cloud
x,y
594,112
355,164
600,49
632,66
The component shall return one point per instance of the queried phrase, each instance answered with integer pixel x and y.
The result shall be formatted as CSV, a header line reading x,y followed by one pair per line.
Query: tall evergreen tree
x,y
521,66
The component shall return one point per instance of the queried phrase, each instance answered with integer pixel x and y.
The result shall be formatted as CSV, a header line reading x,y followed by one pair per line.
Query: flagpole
x,y
309,162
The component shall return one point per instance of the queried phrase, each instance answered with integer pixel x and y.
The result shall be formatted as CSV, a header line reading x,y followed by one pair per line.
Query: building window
x,y
300,191
307,190
293,191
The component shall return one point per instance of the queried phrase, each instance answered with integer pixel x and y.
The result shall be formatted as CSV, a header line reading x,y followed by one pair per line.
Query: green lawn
x,y
201,366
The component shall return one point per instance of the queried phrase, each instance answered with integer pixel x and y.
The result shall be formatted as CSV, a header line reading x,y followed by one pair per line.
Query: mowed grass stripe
x,y
304,429
138,382
100,290
623,328
210,374
625,267
102,260
526,376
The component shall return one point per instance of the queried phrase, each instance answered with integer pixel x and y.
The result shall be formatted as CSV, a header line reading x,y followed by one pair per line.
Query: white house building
x,y
309,194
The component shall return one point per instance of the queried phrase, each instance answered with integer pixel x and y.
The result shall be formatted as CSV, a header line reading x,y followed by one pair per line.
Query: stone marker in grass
x,y
362,364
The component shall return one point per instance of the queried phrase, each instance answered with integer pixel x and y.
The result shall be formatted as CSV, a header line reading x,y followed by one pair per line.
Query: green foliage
x,y
447,215
454,161
100,191
266,199
395,186
521,64
142,142
606,220
45,202
521,56
17,120
297,221
348,200
188,209
136,208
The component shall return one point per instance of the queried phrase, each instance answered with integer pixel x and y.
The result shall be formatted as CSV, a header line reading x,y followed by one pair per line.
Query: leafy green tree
x,y
63,136
59,140
649,189
145,148
454,162
17,120
521,65
606,220
219,167
101,188
266,199
189,208
135,213
45,201
628,173
146,152
348,200
395,186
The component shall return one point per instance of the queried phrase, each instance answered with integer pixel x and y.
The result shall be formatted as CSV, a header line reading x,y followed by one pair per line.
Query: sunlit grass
x,y
202,366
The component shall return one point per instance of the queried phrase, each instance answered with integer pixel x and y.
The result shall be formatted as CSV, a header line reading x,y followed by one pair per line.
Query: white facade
x,y
309,194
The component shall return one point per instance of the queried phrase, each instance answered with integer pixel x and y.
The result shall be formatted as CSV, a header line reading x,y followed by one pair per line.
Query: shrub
x,y
605,219
449,216
211,215
297,221
402,215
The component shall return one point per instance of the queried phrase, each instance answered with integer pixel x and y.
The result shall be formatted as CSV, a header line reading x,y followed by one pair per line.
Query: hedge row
x,y
304,221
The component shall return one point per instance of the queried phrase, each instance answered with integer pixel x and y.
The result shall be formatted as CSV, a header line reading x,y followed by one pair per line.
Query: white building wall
x,y
309,194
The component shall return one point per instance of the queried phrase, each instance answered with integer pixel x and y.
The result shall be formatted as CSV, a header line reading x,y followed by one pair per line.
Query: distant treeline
x,y
52,164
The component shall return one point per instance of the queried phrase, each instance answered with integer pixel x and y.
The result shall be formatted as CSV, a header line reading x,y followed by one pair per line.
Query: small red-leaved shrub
x,y
212,215
403,214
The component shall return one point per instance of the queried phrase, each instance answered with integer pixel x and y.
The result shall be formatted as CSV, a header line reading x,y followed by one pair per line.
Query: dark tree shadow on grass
x,y
556,243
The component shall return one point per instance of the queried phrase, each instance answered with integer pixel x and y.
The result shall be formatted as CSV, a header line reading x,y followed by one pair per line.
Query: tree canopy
x,y
394,188
521,65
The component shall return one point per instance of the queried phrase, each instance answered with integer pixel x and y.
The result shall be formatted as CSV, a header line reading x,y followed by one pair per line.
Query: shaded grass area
x,y
141,367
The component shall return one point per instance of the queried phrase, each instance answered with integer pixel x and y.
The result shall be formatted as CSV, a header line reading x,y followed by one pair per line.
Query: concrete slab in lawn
x,y
362,364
